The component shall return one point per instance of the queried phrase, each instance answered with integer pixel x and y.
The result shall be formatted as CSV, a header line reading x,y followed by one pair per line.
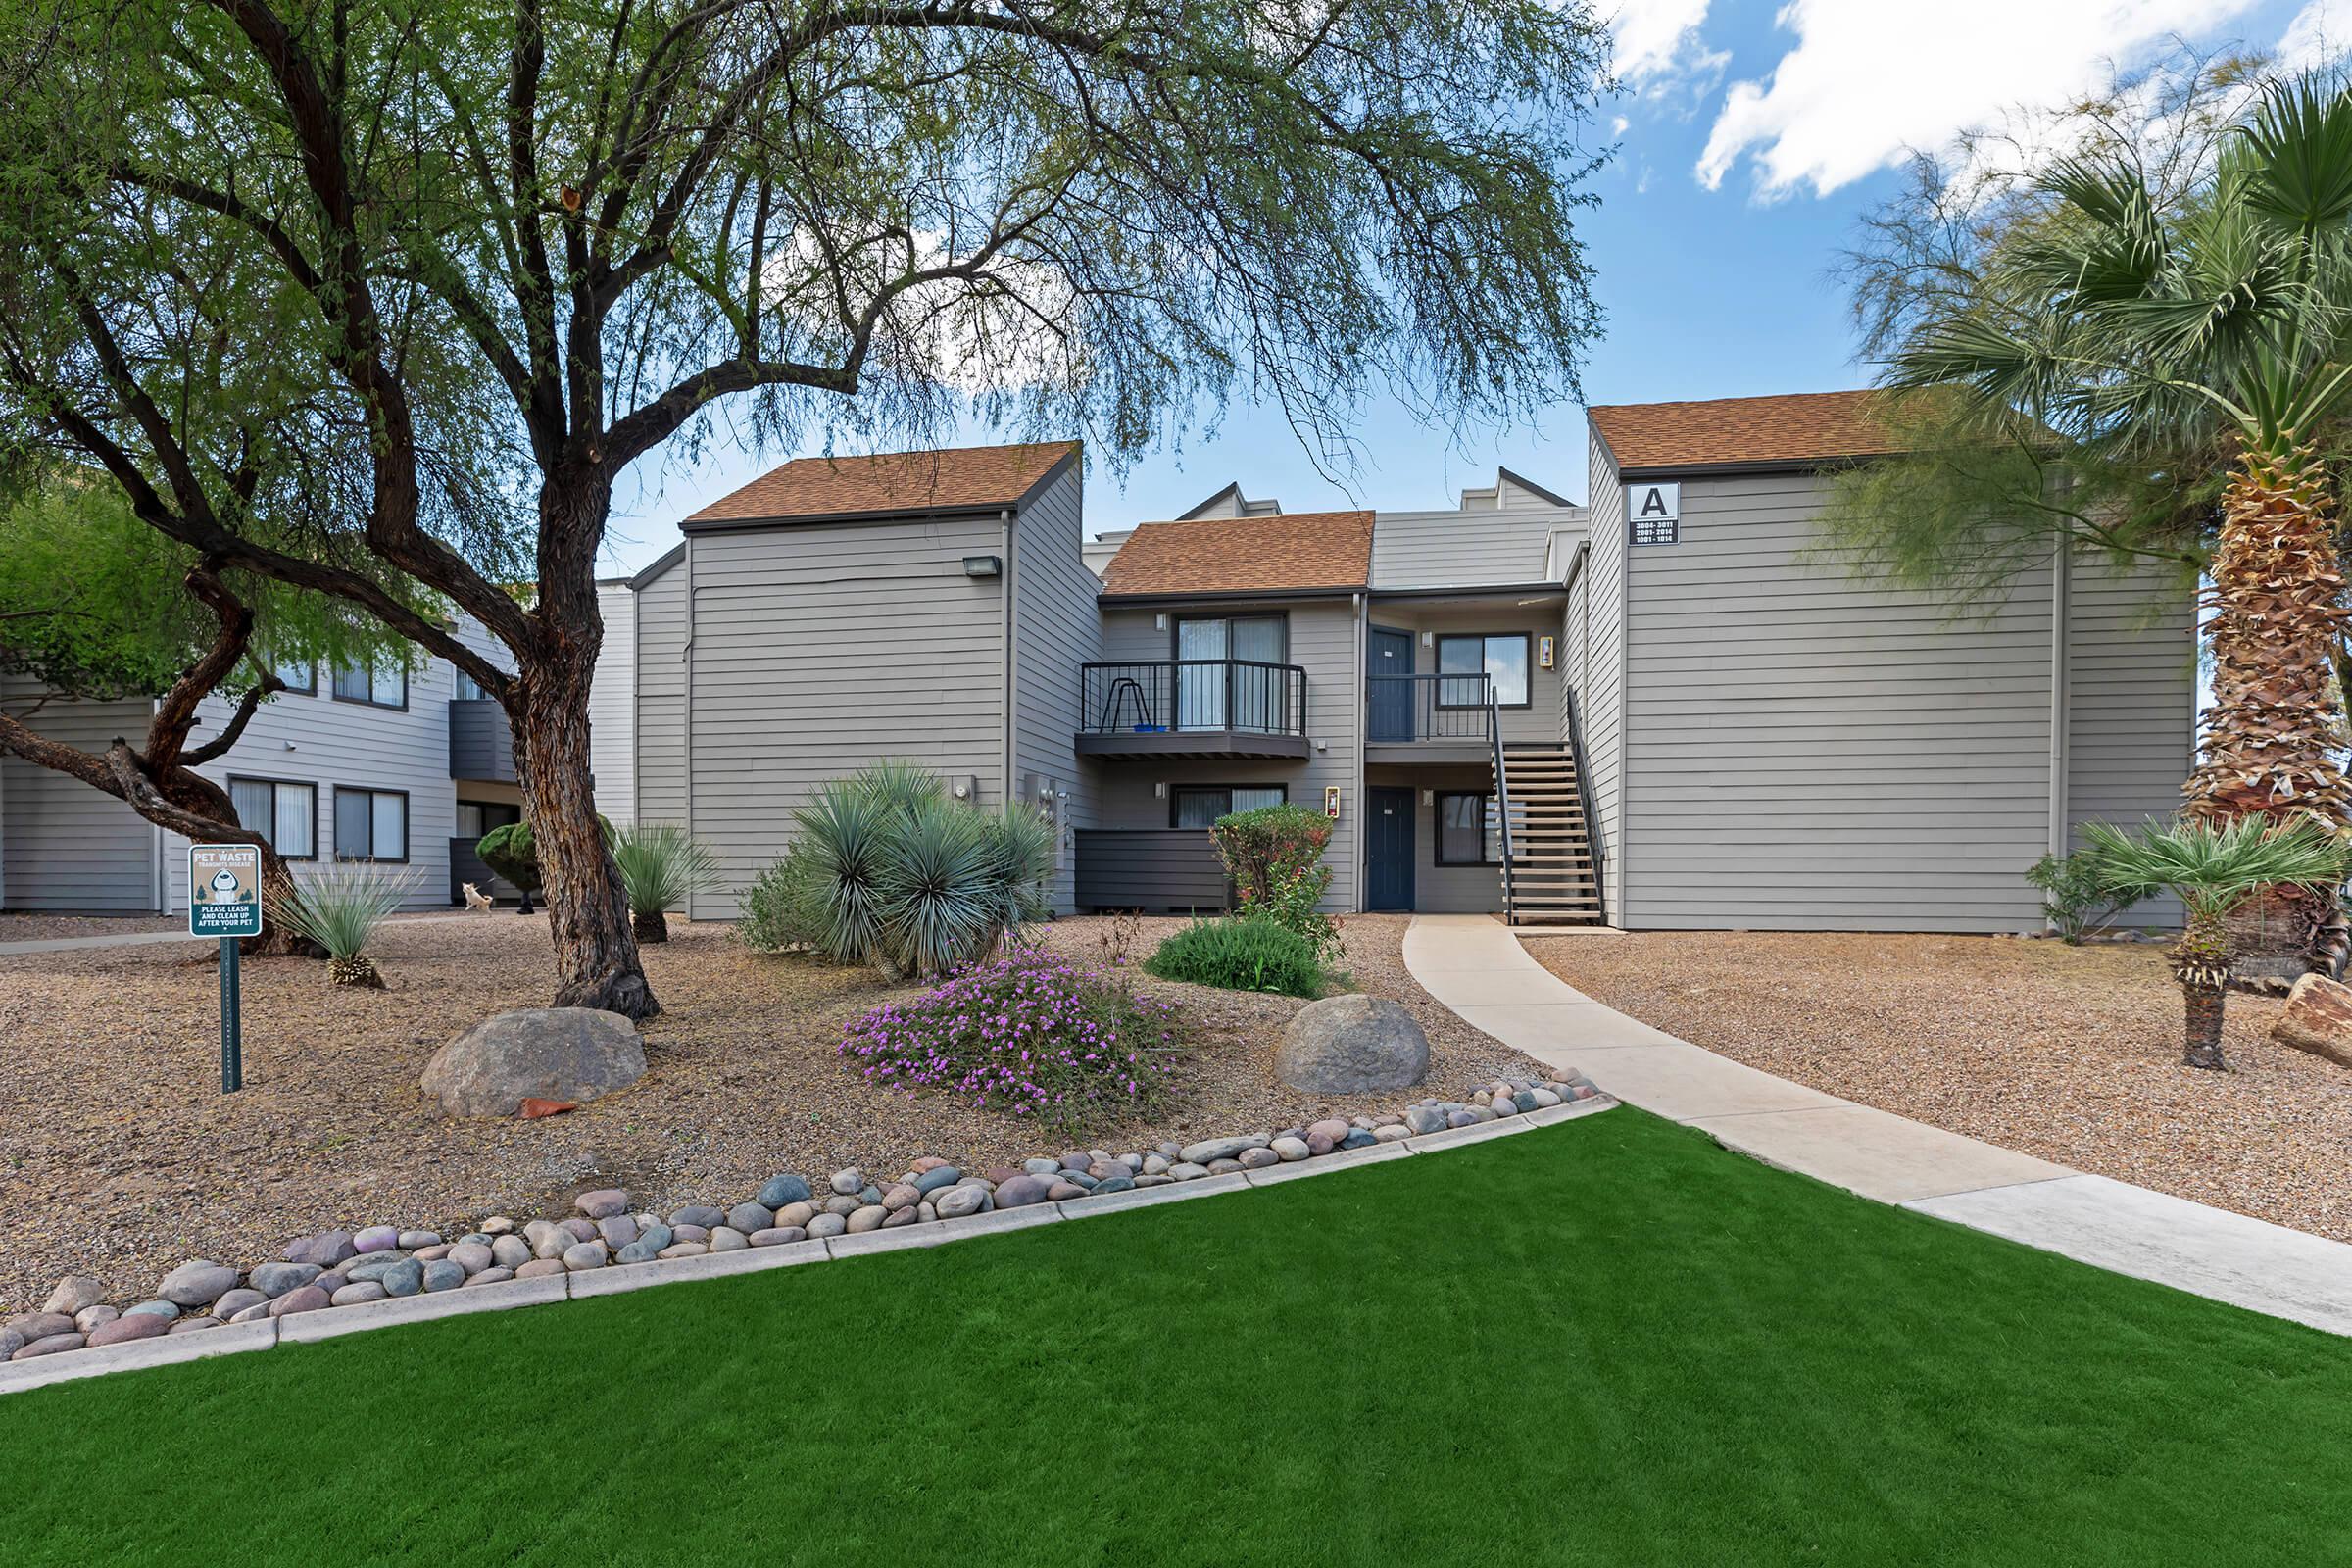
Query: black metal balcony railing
x,y
1400,708
1181,696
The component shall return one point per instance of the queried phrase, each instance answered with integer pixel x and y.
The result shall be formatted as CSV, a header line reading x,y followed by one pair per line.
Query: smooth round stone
x,y
443,1274
167,1310
359,1292
829,1225
693,1233
925,1213
1331,1127
848,1181
1227,1167
956,1202
937,1176
602,1202
498,1225
1286,1148
1544,1097
74,1293
748,1217
258,1311
193,1325
779,1235
639,1250
491,1276
905,1195
800,1213
432,1254
1425,1118
683,1250
136,1326
1023,1191
1358,1138
727,1238
412,1239
309,1298
1040,1168
844,1203
509,1252
327,1248
1469,1117
371,1268
375,1239
702,1215
618,1231
403,1278
1153,1179
89,1317
1116,1184
868,1218
197,1284
47,1344
658,1234
1079,1178
869,1193
276,1279
782,1190
331,1281
896,1218
1185,1170
1155,1165
1215,1148
540,1268
472,1256
1392,1133
586,1255
538,1229
1064,1192
1525,1100
581,1230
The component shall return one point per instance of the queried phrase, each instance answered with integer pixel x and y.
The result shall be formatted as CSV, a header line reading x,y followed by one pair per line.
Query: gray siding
x,y
67,847
1465,548
1601,694
1816,752
660,743
1536,724
1055,630
2130,701
1323,642
818,650
613,705
1442,889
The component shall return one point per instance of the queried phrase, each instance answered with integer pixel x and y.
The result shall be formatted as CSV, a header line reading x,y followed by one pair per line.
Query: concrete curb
x,y
617,1279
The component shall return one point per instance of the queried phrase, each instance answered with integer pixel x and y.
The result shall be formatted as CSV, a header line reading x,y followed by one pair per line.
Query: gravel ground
x,y
119,1156
2071,1054
58,927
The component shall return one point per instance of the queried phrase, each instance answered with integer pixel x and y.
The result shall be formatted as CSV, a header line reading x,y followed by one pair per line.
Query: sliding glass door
x,y
1222,695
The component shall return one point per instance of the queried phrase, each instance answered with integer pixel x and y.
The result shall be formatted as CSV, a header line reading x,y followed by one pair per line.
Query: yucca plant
x,y
340,909
662,864
2212,868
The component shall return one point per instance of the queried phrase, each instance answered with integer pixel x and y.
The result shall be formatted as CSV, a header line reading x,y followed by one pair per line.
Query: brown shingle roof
x,y
1800,428
1300,549
808,488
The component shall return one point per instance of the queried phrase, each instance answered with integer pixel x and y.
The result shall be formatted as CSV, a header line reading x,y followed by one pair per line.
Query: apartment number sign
x,y
1653,514
1331,802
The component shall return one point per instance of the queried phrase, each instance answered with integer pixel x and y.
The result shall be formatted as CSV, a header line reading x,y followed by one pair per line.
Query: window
x,y
469,689
380,688
1469,829
370,825
286,814
477,817
1502,657
297,673
1199,805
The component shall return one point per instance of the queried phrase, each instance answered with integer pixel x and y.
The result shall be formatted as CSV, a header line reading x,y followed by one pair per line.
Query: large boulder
x,y
573,1053
2317,1019
1352,1045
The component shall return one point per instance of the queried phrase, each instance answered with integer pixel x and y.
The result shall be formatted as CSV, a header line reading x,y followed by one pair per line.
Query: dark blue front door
x,y
1388,859
1388,702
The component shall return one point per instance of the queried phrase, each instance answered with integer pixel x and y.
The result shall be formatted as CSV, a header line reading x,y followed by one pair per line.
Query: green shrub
x,y
1240,955
340,909
512,853
885,868
2075,896
661,865
1274,856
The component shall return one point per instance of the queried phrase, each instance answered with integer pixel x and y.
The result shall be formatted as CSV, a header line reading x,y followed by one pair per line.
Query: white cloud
x,y
1654,37
1870,79
2314,36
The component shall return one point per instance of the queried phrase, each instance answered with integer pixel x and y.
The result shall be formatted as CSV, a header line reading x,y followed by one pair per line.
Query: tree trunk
x,y
597,963
650,925
2203,1034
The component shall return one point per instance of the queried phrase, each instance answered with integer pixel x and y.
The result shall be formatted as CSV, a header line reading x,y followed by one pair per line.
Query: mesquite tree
x,y
868,220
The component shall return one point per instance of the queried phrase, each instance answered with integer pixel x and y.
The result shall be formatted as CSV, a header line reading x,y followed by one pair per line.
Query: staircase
x,y
1551,880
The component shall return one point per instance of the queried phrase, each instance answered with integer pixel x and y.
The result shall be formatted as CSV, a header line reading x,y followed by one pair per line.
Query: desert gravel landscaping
x,y
120,1157
2071,1054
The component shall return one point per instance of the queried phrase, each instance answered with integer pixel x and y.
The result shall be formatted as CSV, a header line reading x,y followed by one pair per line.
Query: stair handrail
x,y
1502,801
1595,846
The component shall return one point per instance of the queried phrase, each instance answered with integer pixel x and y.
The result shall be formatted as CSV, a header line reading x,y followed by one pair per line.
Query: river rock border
x,y
344,1282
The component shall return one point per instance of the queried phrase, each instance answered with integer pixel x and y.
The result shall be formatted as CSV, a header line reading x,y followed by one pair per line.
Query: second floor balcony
x,y
482,746
1192,708
1430,719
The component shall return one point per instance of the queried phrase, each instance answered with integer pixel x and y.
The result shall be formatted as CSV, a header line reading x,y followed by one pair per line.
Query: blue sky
x,y
1753,135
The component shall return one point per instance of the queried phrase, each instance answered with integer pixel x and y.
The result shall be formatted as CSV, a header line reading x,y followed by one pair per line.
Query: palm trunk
x,y
650,926
2201,964
2203,1031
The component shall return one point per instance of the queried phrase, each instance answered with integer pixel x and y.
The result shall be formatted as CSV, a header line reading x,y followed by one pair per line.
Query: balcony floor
x,y
1201,745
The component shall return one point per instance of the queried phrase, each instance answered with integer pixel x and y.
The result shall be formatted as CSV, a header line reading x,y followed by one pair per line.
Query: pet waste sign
x,y
224,900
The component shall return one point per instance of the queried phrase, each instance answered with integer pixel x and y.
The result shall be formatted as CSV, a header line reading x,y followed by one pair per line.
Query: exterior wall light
x,y
983,565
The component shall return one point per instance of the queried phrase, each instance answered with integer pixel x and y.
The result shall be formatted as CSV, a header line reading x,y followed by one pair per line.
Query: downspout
x,y
1004,543
1364,844
686,714
2060,596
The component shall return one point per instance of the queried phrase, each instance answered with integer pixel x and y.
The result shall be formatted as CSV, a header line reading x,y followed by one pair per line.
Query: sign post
x,y
224,900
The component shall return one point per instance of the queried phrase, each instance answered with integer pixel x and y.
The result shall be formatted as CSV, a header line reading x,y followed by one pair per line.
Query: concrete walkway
x,y
1475,967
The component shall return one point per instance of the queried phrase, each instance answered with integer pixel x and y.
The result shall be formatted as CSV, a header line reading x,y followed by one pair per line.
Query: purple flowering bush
x,y
1031,1033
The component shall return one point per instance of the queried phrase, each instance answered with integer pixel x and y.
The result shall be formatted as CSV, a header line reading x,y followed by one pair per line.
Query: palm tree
x,y
2130,325
2212,867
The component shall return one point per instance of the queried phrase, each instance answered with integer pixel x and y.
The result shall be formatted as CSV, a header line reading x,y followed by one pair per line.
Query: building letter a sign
x,y
1653,514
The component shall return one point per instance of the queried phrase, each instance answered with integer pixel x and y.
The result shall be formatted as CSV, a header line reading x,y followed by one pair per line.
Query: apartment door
x,y
1389,848
1388,704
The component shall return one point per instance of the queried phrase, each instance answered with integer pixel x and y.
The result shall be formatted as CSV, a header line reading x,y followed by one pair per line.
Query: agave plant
x,y
340,909
662,864
2212,868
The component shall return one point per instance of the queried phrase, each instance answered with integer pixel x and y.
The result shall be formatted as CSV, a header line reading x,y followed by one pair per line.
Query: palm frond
x,y
2213,867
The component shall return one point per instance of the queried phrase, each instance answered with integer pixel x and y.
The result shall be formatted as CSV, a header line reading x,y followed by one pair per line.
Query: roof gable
x,y
888,484
1298,552
1796,430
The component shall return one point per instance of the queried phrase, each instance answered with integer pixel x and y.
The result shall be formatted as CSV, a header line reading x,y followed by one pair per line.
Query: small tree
x,y
1274,856
2212,868
2074,893
661,864
512,853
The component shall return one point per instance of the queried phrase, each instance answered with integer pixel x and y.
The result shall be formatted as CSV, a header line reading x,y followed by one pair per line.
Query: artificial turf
x,y
1604,1341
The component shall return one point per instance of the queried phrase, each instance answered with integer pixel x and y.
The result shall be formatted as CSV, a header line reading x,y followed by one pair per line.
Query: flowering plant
x,y
1031,1033
1274,856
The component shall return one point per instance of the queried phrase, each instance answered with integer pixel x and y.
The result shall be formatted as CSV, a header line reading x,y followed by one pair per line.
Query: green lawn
x,y
1604,1342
